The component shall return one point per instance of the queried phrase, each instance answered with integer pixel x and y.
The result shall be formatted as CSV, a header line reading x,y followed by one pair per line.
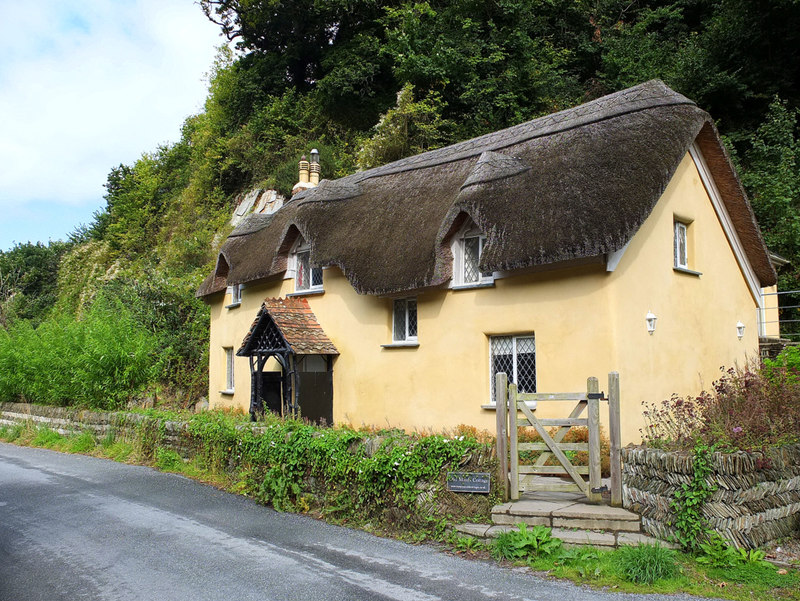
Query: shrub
x,y
748,408
100,361
646,563
525,544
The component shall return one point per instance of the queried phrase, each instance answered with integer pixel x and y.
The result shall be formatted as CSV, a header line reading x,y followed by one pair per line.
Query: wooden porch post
x,y
501,410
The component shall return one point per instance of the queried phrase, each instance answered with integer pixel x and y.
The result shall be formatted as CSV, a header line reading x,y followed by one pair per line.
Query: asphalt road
x,y
75,527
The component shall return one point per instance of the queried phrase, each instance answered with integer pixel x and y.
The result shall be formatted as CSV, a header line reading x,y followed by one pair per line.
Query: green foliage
x,y
168,460
691,526
525,543
408,129
28,276
100,361
646,563
749,408
82,443
47,438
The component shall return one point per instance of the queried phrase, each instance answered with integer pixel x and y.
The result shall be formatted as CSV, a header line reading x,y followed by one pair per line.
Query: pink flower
x,y
737,430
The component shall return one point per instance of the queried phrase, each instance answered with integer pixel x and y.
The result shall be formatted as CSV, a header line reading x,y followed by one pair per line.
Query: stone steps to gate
x,y
572,520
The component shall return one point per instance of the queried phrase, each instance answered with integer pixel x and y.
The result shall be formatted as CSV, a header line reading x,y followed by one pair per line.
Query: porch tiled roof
x,y
298,325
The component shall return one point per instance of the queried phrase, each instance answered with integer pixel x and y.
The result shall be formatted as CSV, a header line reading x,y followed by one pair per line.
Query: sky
x,y
84,86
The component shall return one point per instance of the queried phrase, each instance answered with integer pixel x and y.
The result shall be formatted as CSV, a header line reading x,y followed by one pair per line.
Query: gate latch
x,y
596,395
600,490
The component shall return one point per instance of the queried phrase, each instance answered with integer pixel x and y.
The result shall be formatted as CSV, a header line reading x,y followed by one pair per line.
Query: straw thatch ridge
x,y
569,186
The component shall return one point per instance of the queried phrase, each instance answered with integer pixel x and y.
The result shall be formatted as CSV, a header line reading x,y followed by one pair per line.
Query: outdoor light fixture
x,y
739,329
651,322
314,156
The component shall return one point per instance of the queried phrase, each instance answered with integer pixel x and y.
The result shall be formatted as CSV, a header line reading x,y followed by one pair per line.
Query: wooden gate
x,y
518,478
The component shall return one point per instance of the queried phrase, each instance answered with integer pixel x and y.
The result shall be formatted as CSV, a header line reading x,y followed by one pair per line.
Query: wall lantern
x,y
739,329
651,322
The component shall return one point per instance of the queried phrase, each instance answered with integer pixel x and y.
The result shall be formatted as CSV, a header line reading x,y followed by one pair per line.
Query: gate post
x,y
512,442
501,410
593,387
614,433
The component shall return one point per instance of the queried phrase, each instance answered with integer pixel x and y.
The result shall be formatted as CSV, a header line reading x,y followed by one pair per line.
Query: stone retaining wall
x,y
757,499
125,426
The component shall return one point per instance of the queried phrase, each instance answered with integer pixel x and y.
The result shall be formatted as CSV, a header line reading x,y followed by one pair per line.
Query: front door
x,y
271,390
316,396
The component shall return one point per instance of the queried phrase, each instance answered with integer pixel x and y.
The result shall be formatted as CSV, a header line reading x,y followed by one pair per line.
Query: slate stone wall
x,y
757,499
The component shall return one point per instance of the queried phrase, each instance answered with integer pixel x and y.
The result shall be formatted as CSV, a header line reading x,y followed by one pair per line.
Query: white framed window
x,y
228,370
516,357
236,295
467,253
404,320
681,245
307,278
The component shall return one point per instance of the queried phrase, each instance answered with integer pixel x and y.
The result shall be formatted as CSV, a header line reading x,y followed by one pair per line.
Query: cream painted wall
x,y
586,321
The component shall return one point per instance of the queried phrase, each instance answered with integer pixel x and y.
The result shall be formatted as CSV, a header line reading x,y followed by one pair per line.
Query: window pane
x,y
502,360
681,259
399,320
316,276
302,282
526,364
472,253
412,318
228,368
485,274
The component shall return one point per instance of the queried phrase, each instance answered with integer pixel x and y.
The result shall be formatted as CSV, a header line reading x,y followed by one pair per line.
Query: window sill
x,y
687,271
228,392
234,305
309,292
471,286
493,406
408,344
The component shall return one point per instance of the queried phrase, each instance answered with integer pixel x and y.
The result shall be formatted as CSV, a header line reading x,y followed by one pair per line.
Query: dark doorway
x,y
271,390
316,396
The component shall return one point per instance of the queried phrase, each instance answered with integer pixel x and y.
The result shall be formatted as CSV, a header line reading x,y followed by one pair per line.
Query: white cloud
x,y
88,84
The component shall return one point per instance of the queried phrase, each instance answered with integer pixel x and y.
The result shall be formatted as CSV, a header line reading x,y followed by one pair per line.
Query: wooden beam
x,y
551,396
512,438
501,411
614,433
592,386
564,446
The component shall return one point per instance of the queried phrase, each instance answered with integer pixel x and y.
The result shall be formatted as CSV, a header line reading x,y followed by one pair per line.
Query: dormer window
x,y
467,253
307,278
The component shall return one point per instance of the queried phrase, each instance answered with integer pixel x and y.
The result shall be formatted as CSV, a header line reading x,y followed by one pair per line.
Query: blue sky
x,y
84,86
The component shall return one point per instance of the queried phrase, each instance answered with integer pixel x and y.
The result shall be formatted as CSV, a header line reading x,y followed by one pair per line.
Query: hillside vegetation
x,y
367,82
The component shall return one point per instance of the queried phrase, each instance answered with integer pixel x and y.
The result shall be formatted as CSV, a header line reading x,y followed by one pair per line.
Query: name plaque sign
x,y
476,482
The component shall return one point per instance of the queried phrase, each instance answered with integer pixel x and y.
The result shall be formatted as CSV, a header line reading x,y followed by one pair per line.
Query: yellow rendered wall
x,y
770,312
586,321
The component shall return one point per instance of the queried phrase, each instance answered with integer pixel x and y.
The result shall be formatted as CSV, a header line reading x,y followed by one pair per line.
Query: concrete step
x,y
566,514
570,536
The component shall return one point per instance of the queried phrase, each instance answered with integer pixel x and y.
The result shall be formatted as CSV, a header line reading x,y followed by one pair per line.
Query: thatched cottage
x,y
611,236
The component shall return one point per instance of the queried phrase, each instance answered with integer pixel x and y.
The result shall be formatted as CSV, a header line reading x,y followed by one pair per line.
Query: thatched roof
x,y
287,323
572,185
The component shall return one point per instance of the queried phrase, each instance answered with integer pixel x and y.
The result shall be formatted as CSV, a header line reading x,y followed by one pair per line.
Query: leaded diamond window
x,y
468,253
516,357
405,320
306,276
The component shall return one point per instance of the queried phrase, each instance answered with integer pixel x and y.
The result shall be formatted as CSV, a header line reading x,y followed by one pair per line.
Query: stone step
x,y
566,514
570,536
